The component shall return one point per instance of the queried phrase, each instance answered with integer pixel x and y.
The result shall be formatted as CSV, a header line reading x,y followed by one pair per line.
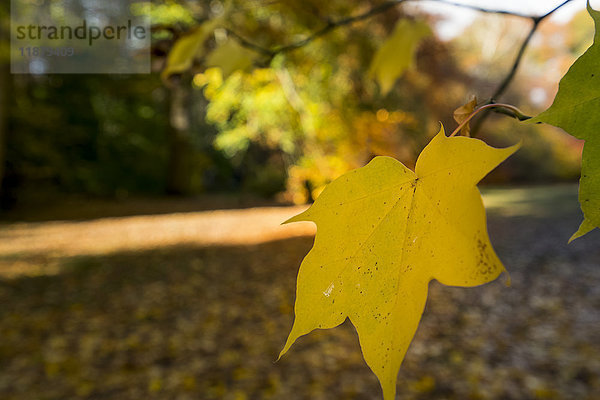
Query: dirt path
x,y
37,248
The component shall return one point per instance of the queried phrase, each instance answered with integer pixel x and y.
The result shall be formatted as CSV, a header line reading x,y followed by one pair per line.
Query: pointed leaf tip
x,y
508,280
586,227
303,216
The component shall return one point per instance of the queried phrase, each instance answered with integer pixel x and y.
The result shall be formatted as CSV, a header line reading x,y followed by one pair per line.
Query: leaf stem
x,y
506,109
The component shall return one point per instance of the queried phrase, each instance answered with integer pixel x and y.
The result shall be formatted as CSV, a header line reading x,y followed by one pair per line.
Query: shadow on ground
x,y
80,208
207,322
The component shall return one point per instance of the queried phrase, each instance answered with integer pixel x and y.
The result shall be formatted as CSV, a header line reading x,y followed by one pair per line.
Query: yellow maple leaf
x,y
383,233
396,54
190,46
186,49
230,57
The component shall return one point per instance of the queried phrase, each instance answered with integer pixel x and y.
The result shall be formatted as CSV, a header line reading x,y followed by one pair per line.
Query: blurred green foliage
x,y
87,134
286,126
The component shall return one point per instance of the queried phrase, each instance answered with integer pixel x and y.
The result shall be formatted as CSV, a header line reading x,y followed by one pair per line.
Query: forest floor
x,y
170,300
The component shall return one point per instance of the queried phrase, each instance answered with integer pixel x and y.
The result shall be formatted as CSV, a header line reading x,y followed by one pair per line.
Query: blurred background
x,y
141,252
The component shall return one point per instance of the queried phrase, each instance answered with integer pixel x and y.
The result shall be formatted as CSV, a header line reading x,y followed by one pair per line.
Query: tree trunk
x,y
5,88
179,173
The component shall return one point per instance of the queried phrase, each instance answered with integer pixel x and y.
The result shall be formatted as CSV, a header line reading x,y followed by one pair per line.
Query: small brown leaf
x,y
462,113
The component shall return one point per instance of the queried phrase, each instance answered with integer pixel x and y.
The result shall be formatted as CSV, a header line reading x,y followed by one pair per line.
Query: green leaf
x,y
383,233
575,109
397,53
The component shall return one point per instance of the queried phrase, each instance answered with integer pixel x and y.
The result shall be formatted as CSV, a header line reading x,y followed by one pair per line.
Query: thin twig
x,y
516,113
515,65
555,9
378,9
536,21
249,45
511,113
480,9
330,25
513,70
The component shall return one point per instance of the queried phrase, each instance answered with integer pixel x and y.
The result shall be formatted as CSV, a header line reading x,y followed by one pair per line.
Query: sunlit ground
x,y
537,201
196,305
41,248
